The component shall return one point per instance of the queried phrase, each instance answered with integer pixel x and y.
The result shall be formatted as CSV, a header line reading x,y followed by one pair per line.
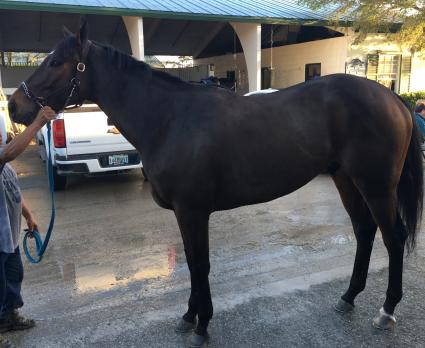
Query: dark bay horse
x,y
206,149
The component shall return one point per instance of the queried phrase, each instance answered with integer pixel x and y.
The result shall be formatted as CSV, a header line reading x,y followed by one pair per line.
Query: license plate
x,y
117,160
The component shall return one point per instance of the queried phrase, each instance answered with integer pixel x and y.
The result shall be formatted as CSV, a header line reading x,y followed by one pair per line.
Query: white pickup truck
x,y
83,141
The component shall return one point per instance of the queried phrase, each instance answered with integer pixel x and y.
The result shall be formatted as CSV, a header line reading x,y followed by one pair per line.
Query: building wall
x,y
417,77
288,62
337,55
379,43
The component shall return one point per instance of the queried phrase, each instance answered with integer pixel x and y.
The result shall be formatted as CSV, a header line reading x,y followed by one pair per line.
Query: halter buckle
x,y
81,67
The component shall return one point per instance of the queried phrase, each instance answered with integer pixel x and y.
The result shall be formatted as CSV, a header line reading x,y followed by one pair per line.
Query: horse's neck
x,y
125,98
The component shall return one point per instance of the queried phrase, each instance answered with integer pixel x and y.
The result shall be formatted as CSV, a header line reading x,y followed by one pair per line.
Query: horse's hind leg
x,y
383,204
364,229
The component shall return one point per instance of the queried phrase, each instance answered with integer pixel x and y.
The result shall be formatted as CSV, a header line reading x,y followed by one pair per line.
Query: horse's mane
x,y
124,62
121,60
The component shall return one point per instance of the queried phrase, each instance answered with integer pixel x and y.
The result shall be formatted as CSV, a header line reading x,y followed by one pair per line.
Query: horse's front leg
x,y
193,225
188,321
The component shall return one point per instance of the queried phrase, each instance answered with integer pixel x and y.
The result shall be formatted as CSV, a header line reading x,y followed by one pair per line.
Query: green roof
x,y
260,11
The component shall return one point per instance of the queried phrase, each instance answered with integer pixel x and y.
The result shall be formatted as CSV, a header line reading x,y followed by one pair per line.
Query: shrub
x,y
412,97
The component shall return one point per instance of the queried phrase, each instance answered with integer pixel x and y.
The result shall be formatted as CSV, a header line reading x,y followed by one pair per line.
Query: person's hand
x,y
45,115
32,224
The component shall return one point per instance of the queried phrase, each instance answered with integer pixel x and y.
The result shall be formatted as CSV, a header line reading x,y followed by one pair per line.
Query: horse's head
x,y
51,84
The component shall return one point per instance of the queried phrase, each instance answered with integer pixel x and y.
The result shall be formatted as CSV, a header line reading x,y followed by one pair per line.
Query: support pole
x,y
134,26
250,37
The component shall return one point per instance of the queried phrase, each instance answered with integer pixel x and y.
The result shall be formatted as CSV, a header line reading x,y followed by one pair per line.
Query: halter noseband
x,y
73,86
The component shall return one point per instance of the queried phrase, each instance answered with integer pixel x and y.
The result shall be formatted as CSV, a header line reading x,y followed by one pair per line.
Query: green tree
x,y
404,18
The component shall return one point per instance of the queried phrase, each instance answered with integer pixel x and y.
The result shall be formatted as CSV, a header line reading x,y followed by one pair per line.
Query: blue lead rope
x,y
40,245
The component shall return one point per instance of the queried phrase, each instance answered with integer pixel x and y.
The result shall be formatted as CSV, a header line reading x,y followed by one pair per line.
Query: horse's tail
x,y
411,186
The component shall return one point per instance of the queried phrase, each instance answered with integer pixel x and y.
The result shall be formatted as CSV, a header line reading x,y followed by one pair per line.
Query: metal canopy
x,y
36,31
171,27
264,11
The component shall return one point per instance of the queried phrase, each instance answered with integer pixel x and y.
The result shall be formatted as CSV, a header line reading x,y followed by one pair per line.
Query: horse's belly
x,y
263,188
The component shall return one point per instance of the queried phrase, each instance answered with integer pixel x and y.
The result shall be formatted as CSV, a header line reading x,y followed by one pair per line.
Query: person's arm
x,y
27,214
18,145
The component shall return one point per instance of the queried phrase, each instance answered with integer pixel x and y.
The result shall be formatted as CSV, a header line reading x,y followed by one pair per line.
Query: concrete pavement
x,y
115,275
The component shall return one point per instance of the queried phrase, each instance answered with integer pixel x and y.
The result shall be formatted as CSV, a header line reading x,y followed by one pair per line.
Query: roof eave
x,y
32,6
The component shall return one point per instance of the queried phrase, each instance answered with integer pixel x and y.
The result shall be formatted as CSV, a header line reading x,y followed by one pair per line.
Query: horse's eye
x,y
55,63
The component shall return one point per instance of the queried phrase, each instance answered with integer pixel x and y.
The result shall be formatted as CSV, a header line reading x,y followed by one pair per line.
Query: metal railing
x,y
20,64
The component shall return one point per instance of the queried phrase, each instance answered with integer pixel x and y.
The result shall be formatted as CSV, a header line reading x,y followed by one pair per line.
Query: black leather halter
x,y
73,86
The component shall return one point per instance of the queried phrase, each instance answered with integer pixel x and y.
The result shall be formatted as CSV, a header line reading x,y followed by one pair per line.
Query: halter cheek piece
x,y
73,86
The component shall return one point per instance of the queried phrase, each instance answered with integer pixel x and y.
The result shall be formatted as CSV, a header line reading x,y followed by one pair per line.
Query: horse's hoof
x,y
384,321
343,306
198,341
185,326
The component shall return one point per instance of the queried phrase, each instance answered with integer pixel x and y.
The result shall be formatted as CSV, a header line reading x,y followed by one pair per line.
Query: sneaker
x,y
5,343
15,321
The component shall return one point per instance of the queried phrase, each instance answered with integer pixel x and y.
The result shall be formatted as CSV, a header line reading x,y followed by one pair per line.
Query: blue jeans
x,y
11,276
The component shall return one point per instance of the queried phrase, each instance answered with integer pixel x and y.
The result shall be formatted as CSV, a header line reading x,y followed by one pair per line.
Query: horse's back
x,y
244,150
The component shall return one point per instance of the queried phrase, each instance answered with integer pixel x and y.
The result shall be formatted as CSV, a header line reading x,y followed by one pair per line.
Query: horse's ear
x,y
66,32
82,35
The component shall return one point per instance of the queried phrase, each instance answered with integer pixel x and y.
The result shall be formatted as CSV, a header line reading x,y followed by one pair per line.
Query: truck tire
x,y
59,180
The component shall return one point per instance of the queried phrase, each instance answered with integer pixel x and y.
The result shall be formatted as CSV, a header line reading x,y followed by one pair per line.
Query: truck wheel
x,y
59,180
145,177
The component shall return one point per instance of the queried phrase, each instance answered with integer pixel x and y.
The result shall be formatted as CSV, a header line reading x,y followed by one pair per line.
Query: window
x,y
390,70
231,76
313,71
